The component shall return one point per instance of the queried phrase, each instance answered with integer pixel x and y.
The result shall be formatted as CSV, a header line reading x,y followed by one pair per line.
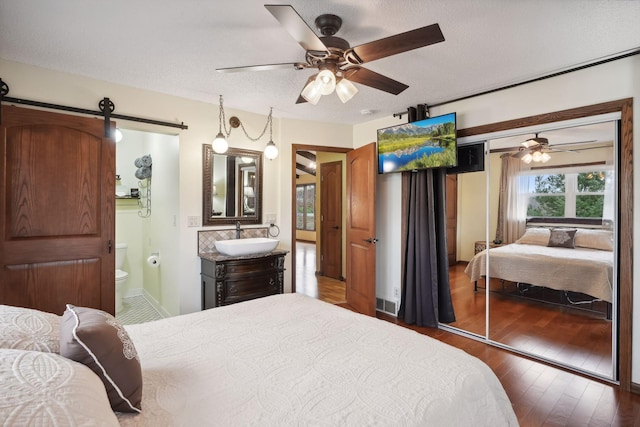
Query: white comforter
x,y
589,271
289,360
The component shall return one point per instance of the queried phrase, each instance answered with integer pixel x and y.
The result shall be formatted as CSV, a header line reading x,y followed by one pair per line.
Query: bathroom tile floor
x,y
137,310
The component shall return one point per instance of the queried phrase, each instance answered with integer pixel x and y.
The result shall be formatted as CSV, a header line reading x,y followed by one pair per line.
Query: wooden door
x,y
57,205
452,217
361,229
331,220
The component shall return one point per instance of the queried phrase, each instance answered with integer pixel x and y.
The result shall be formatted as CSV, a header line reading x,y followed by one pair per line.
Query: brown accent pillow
x,y
96,339
562,238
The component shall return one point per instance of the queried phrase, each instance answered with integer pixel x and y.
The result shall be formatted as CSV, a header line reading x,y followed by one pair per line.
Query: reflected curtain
x,y
512,203
609,207
426,295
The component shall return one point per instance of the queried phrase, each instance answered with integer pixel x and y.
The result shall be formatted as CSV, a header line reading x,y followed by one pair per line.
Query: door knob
x,y
371,240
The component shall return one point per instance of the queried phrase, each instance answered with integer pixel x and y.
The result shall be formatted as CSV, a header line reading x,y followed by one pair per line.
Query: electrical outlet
x,y
193,221
271,218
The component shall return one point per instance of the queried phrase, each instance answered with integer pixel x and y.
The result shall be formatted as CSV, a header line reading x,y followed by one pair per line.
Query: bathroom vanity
x,y
228,280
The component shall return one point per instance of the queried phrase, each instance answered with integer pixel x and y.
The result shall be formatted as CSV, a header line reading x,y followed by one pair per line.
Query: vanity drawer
x,y
247,288
229,281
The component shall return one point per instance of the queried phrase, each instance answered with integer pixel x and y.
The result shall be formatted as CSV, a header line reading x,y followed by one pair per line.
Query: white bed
x,y
282,360
584,270
292,360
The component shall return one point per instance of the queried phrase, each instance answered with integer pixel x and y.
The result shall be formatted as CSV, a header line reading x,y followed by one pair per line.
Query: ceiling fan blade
x,y
374,80
266,67
295,25
399,43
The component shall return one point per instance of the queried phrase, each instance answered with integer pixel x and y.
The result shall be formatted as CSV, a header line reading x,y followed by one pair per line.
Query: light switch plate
x,y
193,221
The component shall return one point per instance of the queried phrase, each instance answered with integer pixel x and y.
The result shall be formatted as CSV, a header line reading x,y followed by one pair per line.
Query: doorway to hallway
x,y
320,287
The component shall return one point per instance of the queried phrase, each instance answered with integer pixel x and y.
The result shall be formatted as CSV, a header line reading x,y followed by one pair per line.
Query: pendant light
x,y
220,144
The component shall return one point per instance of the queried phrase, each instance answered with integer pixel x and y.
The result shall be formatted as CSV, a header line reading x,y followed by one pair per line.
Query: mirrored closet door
x,y
537,249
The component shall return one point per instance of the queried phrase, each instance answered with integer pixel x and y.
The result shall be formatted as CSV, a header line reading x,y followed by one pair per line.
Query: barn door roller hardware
x,y
106,106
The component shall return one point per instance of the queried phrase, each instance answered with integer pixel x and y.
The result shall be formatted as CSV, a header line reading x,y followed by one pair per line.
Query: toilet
x,y
121,276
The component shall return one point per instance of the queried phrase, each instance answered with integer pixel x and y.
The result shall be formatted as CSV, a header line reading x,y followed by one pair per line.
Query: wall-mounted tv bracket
x,y
415,113
106,106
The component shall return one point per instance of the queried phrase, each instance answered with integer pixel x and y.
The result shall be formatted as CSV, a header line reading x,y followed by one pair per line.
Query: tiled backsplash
x,y
207,238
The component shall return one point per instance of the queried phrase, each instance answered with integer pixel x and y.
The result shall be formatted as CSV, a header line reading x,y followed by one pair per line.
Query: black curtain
x,y
426,295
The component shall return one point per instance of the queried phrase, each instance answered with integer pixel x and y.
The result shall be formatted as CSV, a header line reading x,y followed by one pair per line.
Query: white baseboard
x,y
159,308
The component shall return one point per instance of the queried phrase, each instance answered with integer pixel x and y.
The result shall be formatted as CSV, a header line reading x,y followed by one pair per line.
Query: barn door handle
x,y
371,240
336,227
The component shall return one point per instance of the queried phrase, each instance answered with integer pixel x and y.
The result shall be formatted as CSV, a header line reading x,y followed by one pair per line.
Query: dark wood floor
x,y
542,395
323,288
565,334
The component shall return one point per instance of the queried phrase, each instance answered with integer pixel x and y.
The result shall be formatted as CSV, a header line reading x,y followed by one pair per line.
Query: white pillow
x,y
28,329
535,236
46,389
594,239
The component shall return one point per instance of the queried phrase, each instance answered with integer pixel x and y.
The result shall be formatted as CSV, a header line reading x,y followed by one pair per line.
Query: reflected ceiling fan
x,y
337,62
537,150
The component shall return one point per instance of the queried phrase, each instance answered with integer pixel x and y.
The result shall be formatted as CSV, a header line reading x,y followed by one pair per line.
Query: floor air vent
x,y
386,306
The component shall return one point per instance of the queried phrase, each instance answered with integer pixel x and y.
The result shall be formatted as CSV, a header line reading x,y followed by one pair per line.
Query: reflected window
x,y
306,207
567,195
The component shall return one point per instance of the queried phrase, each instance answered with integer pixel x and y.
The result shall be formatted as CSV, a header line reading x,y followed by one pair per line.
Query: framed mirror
x,y
231,186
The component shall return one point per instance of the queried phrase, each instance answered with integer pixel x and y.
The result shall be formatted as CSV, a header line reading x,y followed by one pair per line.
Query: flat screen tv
x,y
470,159
428,143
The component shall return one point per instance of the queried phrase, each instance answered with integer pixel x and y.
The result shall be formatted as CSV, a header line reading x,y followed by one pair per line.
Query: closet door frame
x,y
625,212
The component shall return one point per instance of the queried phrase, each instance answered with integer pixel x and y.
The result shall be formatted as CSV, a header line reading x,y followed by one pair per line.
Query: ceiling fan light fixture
x,y
311,92
537,156
326,79
527,158
545,157
345,90
530,143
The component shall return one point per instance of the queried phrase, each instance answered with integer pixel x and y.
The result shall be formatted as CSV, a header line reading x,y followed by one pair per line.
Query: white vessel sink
x,y
238,247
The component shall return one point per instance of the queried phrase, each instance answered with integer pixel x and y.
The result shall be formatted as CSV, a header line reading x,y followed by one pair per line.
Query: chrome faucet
x,y
238,230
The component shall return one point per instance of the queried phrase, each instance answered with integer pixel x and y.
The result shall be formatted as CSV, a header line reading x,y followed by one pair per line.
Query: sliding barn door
x,y
57,202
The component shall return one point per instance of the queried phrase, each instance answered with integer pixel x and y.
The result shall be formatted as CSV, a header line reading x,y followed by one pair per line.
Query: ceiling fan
x,y
537,150
337,62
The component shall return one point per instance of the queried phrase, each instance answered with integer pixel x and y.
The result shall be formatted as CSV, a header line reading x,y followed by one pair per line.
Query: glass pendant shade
x,y
271,151
311,92
537,156
545,158
345,90
220,144
327,81
527,158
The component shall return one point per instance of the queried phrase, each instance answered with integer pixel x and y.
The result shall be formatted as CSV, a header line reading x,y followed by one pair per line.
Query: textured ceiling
x,y
174,47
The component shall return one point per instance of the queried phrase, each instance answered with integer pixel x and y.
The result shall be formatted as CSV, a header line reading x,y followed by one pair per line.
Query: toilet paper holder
x,y
154,259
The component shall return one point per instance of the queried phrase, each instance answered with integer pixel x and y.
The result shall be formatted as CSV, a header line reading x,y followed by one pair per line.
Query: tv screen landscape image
x,y
428,143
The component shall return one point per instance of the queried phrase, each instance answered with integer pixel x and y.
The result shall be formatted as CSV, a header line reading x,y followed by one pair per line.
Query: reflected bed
x,y
583,270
